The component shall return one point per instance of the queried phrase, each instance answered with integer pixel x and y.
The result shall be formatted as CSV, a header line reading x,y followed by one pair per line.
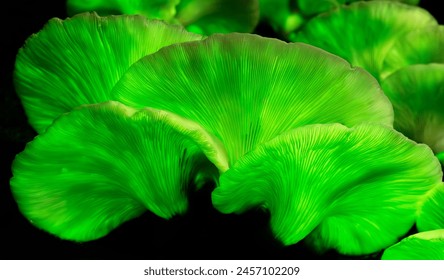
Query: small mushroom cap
x,y
101,165
421,46
364,32
417,95
78,60
246,89
427,245
355,190
431,213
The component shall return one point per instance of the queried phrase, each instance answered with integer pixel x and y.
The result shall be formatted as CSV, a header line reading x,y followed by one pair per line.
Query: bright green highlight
x,y
421,46
364,32
101,165
355,190
421,246
78,60
246,89
198,16
431,214
417,95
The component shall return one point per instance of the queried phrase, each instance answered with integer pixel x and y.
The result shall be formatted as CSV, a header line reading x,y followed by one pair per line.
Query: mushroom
x,y
364,32
417,95
246,89
355,190
100,165
199,16
78,60
431,213
420,246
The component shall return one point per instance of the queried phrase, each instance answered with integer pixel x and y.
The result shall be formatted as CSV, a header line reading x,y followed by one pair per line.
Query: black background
x,y
203,233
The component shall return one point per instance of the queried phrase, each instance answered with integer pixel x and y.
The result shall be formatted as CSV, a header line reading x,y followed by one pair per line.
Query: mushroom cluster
x,y
138,103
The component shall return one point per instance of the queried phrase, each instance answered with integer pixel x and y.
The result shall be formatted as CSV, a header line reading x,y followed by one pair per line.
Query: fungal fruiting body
x,y
198,16
78,60
427,245
355,190
246,89
101,165
364,32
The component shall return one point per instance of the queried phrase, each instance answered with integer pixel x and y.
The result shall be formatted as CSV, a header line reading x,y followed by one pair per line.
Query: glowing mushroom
x,y
364,32
420,246
417,95
355,190
101,165
246,89
78,60
199,16
431,213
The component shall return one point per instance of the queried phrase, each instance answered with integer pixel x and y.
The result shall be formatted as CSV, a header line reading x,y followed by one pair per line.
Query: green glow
x,y
355,190
199,16
78,60
153,9
431,214
421,246
417,95
246,89
101,165
421,46
364,32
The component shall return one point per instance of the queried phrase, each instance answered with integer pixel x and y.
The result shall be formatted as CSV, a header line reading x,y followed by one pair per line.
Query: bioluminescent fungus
x,y
431,213
364,32
245,89
103,164
417,95
355,190
282,15
78,60
421,46
427,245
152,9
199,16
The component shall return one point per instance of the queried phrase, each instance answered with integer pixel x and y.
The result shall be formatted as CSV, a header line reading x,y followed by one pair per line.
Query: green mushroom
x,y
431,213
364,32
421,46
246,89
355,190
103,164
199,16
417,95
78,60
420,246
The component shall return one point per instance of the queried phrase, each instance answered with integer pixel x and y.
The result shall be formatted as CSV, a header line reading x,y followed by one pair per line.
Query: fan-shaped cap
x,y
101,165
417,95
420,246
431,213
78,60
246,89
364,32
355,190
421,46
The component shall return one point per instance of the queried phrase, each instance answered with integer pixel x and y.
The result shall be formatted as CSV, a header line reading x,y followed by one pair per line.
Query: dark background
x,y
203,233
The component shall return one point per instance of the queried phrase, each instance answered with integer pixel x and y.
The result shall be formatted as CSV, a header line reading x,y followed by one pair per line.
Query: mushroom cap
x,y
417,95
431,213
355,190
364,32
421,46
78,60
103,164
420,246
246,89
